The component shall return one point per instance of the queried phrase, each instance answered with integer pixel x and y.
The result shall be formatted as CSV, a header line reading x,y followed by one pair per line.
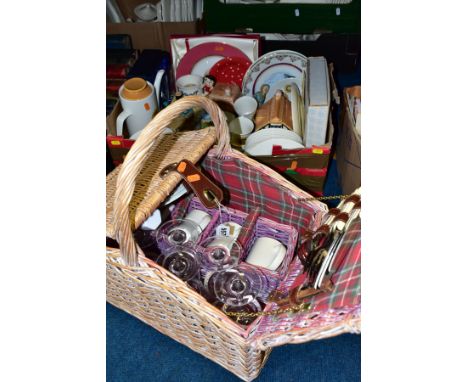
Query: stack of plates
x,y
262,142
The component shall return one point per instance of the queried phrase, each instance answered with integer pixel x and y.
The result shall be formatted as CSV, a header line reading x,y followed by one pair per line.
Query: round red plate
x,y
205,50
230,69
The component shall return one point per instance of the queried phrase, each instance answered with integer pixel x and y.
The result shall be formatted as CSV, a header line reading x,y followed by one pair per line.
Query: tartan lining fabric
x,y
347,278
326,307
248,188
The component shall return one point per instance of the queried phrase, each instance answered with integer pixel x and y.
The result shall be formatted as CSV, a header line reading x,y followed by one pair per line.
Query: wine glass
x,y
182,261
237,289
216,253
177,232
219,252
237,286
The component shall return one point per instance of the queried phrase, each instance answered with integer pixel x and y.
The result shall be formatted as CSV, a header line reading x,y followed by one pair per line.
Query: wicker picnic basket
x,y
149,292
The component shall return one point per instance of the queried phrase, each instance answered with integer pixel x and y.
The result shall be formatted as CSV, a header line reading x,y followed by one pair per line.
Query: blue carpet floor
x,y
136,352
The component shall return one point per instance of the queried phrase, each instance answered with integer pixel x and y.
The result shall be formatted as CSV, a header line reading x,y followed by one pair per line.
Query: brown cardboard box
x,y
149,35
348,152
152,35
307,170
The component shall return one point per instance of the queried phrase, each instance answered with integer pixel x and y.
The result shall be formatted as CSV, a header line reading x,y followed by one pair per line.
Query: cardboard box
x,y
308,168
152,35
348,152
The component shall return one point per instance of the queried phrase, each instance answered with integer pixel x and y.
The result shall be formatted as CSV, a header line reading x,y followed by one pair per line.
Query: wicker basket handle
x,y
137,155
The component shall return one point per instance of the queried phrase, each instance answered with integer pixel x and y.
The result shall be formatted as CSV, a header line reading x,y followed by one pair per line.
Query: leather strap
x,y
208,192
297,295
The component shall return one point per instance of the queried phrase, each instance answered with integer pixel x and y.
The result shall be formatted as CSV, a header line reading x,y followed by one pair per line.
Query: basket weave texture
x,y
149,292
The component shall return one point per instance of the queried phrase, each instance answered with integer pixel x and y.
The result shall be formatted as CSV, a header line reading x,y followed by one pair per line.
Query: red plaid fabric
x,y
326,307
248,188
347,278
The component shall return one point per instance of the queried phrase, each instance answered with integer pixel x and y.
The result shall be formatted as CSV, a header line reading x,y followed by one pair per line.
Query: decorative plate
x,y
202,53
202,67
231,69
283,85
270,68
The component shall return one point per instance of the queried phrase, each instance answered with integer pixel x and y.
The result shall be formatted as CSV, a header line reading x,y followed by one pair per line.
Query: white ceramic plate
x,y
273,67
266,147
203,67
283,85
265,134
296,109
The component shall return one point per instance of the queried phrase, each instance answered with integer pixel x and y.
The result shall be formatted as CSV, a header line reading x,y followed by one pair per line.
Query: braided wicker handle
x,y
137,155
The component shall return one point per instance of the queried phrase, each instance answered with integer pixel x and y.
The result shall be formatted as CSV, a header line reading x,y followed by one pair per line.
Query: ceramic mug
x,y
246,106
240,128
267,252
138,100
189,84
192,225
200,218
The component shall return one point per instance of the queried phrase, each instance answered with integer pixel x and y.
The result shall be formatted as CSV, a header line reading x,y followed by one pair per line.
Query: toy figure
x,y
208,84
260,95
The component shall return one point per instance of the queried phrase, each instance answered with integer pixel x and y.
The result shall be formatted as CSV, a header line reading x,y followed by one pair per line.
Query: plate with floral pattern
x,y
270,68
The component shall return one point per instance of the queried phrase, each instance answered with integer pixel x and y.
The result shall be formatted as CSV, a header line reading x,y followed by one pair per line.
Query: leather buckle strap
x,y
209,193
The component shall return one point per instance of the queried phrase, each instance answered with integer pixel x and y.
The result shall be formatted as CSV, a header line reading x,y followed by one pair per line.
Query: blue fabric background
x,y
138,353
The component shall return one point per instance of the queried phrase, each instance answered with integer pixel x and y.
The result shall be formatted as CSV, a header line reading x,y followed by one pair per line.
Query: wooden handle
x,y
137,155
